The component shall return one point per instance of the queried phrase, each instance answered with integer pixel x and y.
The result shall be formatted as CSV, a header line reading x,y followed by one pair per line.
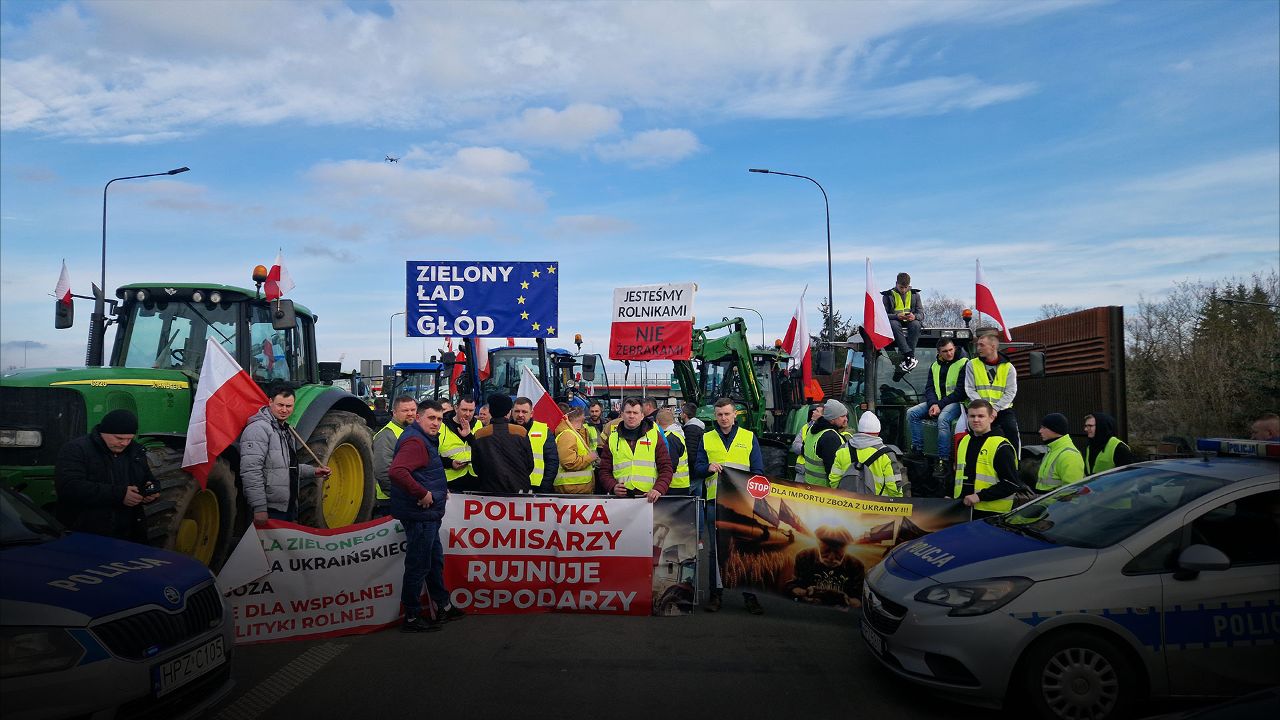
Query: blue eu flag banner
x,y
482,299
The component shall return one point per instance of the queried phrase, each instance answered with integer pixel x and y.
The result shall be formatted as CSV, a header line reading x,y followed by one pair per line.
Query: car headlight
x,y
11,438
974,597
31,650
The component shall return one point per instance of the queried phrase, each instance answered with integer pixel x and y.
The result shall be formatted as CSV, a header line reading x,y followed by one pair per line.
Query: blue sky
x,y
1088,153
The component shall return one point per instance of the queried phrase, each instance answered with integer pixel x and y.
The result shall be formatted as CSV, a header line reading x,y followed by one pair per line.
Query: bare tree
x,y
1053,310
943,311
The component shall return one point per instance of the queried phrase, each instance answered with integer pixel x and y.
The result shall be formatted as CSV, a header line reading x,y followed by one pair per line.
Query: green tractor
x,y
770,401
153,369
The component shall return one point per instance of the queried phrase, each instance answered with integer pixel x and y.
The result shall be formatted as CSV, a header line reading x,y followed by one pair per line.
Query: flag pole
x,y
304,444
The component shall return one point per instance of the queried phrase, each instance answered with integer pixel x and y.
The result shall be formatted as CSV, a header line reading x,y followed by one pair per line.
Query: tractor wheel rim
x,y
1079,683
344,488
198,530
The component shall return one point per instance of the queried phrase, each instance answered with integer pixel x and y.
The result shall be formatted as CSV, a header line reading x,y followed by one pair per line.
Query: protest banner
x,y
814,544
675,555
481,299
306,582
652,322
524,554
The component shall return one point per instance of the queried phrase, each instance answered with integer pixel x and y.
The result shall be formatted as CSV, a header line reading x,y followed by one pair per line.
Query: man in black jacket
x,y
101,479
500,451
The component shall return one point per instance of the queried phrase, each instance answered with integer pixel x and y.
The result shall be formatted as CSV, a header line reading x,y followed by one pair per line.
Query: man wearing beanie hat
x,y
873,455
500,452
100,479
824,441
1062,464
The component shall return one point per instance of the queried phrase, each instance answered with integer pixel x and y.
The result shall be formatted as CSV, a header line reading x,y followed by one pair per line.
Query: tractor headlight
x,y
974,597
11,438
31,650
198,296
215,297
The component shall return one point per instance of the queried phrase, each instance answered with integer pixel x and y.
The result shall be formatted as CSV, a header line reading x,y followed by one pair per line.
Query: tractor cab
x,y
421,381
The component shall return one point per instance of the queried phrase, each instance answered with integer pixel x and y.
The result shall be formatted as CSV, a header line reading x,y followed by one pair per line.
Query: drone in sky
x,y
392,159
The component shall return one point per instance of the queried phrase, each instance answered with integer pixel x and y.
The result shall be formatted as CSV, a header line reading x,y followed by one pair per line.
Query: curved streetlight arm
x,y
98,324
763,344
831,306
391,353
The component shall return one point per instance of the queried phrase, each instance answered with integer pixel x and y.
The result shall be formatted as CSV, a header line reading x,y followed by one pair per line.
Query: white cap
x,y
869,423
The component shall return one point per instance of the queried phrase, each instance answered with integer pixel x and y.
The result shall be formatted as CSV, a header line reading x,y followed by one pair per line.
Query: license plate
x,y
873,638
173,674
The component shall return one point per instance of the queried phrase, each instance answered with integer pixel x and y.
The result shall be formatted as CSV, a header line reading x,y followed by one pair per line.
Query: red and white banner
x,y
300,582
985,302
279,281
545,408
652,322
875,321
62,291
796,342
530,554
226,398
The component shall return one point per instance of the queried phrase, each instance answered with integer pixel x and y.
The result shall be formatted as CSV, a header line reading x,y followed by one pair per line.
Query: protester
x,y
823,442
403,412
863,446
419,493
729,446
102,480
694,432
1062,464
595,421
673,434
500,452
577,455
986,464
482,415
270,473
650,408
797,444
634,461
1266,427
991,377
944,397
827,574
1104,450
902,304
545,460
456,432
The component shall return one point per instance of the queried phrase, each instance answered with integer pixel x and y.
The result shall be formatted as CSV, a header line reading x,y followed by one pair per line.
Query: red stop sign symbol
x,y
758,487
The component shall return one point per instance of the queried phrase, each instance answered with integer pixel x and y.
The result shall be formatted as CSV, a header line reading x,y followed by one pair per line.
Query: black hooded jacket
x,y
91,482
1105,430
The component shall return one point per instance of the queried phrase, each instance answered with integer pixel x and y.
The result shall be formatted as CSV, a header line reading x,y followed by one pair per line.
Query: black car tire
x,y
1079,675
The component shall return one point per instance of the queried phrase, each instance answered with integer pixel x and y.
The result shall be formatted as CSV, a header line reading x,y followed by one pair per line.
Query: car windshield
x,y
720,378
22,524
171,335
1103,511
505,366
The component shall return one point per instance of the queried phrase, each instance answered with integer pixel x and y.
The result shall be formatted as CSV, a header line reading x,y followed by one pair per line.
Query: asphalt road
x,y
793,662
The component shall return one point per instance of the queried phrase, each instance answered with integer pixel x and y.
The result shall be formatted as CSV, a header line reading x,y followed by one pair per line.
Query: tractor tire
x,y
342,441
187,519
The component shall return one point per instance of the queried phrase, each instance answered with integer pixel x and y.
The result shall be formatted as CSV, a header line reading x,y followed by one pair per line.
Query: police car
x,y
97,628
1157,579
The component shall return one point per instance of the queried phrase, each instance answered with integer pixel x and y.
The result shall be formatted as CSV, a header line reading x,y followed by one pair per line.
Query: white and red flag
x,y
225,400
279,281
482,359
544,406
62,291
985,303
796,341
875,321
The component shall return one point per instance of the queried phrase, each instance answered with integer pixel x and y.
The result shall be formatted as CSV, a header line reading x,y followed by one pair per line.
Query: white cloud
x,y
651,148
142,71
1262,167
566,129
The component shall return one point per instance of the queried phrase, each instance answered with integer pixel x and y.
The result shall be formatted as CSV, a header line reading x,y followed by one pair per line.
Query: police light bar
x,y
1239,447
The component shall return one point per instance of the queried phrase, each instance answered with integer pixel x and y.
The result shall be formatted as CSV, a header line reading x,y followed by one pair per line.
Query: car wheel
x,y
1076,675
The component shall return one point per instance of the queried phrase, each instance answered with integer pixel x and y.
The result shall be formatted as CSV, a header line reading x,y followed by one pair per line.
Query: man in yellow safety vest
x,y
403,412
902,304
1062,464
991,377
634,461
577,455
986,466
456,432
673,434
729,446
546,461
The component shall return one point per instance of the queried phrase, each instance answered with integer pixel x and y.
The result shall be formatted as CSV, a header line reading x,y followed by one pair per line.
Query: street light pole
x,y
763,344
391,352
98,323
831,303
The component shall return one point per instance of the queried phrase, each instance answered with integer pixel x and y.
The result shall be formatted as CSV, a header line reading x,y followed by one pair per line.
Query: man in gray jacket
x,y
269,467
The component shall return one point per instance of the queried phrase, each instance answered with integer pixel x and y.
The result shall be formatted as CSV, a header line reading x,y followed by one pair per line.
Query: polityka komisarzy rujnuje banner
x,y
528,553
815,544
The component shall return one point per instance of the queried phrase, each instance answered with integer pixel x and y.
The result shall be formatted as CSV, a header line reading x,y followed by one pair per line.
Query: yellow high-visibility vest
x,y
453,447
537,440
574,477
990,389
814,472
737,455
984,475
680,478
395,430
881,469
636,469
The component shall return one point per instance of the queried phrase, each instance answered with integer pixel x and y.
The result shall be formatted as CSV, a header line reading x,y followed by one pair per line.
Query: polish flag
x,y
796,341
544,406
62,291
875,321
279,281
459,361
482,358
986,303
511,342
225,400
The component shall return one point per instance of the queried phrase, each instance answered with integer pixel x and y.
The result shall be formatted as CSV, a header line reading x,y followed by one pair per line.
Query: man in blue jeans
x,y
943,401
419,492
